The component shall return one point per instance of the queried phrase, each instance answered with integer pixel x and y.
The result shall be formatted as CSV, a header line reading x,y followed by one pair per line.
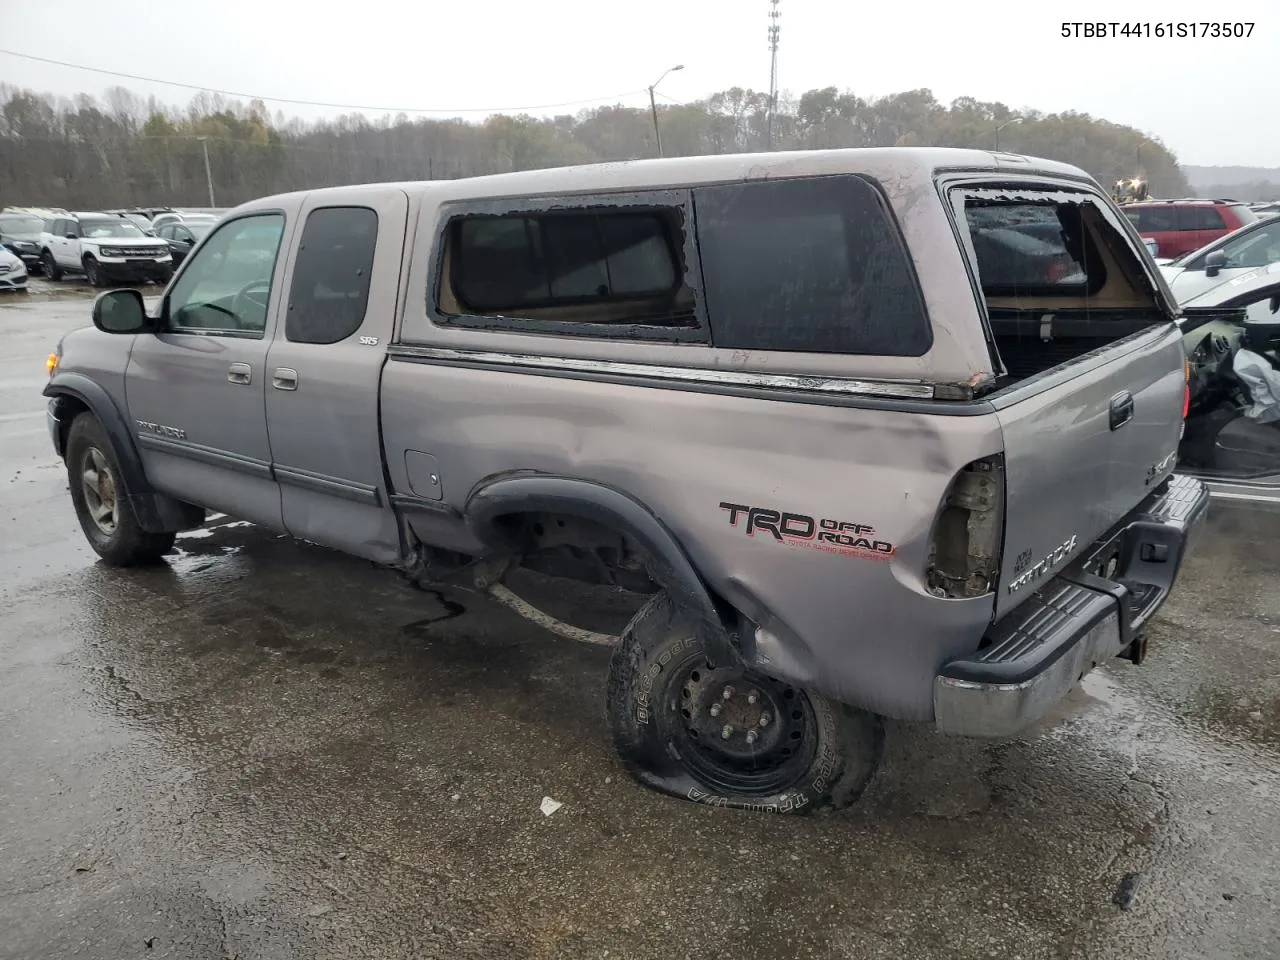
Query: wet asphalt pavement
x,y
267,750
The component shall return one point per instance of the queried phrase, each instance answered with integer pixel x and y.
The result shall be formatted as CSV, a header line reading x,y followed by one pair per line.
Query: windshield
x,y
22,226
98,229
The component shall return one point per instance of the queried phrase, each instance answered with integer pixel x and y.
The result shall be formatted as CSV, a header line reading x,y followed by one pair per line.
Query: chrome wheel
x,y
98,484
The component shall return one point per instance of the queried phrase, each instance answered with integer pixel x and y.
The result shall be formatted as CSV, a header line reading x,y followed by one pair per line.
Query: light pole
x,y
653,106
1002,126
208,176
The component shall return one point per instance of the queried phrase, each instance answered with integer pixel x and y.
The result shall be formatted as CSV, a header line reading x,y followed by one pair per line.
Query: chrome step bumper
x,y
1092,611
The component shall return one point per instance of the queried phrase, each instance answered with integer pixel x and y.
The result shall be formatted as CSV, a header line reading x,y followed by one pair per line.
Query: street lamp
x,y
1002,126
653,106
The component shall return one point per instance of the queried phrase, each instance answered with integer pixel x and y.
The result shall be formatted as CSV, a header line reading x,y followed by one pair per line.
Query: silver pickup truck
x,y
868,433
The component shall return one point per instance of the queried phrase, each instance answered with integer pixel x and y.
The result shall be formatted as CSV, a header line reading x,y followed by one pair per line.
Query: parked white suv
x,y
105,247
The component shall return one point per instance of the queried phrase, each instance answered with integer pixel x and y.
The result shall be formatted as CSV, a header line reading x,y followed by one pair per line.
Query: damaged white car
x,y
1232,337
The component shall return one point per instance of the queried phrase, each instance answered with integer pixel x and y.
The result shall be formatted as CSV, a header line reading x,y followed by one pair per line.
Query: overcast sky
x,y
1212,101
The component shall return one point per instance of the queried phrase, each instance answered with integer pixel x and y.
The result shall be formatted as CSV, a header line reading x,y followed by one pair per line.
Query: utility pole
x,y
208,176
653,104
773,72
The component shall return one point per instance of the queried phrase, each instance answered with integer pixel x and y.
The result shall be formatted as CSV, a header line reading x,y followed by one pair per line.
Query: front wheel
x,y
722,735
101,503
51,268
93,273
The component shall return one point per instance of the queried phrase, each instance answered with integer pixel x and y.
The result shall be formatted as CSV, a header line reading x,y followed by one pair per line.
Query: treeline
x,y
123,150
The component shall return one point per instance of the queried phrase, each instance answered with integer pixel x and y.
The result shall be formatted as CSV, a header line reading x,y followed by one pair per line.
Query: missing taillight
x,y
964,558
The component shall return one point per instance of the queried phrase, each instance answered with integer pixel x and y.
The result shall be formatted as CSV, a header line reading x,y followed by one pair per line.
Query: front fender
x,y
156,512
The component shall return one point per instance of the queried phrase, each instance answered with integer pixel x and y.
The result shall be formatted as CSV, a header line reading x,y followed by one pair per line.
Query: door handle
x,y
240,373
1121,409
285,378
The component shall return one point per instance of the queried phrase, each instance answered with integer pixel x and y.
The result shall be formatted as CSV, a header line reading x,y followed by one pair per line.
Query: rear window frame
x,y
679,199
951,185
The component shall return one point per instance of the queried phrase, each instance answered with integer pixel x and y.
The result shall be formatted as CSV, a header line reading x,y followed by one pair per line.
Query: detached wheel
x,y
725,736
51,268
101,503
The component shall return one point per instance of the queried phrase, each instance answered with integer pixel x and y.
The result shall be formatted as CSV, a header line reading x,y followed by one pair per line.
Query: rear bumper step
x,y
1095,609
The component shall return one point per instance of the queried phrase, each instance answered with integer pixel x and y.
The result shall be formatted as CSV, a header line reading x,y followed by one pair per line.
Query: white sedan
x,y
13,272
1239,253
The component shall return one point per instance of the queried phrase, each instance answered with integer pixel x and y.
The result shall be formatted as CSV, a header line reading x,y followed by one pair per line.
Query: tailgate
x,y
1081,454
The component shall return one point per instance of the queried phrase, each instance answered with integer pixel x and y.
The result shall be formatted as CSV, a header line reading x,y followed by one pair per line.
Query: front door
x,y
324,372
196,389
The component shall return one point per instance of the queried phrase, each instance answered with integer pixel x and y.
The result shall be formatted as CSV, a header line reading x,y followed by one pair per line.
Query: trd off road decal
x,y
802,530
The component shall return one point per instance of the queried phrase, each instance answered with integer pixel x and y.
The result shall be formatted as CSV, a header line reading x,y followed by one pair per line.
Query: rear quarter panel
x,y
861,629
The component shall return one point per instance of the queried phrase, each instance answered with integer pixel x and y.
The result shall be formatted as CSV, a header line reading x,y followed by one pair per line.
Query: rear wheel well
x,y
565,545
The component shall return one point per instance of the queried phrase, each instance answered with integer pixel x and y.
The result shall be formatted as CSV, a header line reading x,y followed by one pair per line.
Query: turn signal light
x,y
52,363
1186,391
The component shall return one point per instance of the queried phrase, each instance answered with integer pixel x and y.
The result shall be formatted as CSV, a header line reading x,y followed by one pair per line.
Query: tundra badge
x,y
1055,557
160,430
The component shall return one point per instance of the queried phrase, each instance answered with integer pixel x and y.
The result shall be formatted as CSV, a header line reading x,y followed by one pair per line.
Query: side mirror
x,y
72,235
1214,263
121,311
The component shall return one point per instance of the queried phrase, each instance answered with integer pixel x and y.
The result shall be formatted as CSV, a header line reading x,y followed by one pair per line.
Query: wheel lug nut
x,y
752,736
728,692
752,697
727,732
715,709
764,719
